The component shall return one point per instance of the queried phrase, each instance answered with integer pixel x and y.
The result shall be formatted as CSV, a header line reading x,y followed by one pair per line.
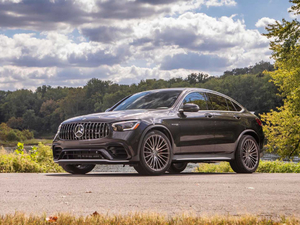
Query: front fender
x,y
159,127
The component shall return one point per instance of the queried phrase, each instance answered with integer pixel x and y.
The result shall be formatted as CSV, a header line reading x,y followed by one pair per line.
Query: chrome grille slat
x,y
93,130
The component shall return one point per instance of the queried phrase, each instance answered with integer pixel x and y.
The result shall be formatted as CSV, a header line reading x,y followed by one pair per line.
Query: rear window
x,y
217,102
230,105
237,107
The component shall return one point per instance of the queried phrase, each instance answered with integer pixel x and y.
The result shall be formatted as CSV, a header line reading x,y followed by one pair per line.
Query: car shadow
x,y
122,174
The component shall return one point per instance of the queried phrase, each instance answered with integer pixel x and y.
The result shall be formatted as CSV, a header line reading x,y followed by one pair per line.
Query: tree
x,y
282,126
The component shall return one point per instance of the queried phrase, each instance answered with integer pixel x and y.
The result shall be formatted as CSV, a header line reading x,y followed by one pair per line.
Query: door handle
x,y
237,117
208,115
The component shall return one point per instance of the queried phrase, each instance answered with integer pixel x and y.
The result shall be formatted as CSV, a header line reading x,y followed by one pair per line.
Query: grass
x,y
142,219
38,160
264,167
26,142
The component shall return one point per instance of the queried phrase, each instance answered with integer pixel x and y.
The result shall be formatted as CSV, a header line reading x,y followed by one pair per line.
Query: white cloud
x,y
265,21
122,40
57,50
10,1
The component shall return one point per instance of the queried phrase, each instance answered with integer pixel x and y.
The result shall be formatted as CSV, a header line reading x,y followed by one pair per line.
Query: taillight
x,y
258,122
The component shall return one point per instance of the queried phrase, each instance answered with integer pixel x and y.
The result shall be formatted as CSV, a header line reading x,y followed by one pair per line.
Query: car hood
x,y
114,116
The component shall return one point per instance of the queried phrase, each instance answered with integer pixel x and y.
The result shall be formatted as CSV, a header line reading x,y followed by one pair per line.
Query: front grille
x,y
91,131
84,154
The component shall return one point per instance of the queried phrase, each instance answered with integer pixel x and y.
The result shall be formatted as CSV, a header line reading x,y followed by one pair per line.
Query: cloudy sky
x,y
68,42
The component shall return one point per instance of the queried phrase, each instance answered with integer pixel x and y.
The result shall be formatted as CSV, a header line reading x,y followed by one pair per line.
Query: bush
x,y
264,167
38,160
12,136
27,134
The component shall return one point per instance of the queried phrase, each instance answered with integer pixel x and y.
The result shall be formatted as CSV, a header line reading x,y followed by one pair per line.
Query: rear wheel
x,y
78,169
246,156
155,154
177,167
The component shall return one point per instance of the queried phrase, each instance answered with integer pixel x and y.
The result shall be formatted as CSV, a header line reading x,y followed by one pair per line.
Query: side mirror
x,y
189,107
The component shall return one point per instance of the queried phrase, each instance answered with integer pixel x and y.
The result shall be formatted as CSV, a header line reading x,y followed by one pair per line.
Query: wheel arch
x,y
161,128
247,132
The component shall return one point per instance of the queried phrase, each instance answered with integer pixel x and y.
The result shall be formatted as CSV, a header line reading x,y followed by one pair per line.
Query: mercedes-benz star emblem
x,y
79,131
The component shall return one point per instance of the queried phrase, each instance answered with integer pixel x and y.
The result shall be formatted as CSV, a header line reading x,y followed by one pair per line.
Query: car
x,y
162,130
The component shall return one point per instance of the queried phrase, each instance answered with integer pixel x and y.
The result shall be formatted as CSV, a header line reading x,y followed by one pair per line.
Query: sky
x,y
68,42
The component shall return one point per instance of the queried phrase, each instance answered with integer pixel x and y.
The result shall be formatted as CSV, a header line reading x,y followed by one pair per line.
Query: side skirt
x,y
203,157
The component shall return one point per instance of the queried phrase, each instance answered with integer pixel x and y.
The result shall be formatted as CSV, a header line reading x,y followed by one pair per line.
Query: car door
x,y
227,122
196,129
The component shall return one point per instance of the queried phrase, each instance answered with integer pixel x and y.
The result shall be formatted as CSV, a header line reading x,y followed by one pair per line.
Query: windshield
x,y
149,100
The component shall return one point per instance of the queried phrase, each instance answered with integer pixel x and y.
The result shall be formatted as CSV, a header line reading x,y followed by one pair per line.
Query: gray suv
x,y
162,130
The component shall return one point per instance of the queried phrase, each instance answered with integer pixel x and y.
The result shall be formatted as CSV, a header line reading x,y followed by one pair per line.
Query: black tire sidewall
x,y
70,168
174,169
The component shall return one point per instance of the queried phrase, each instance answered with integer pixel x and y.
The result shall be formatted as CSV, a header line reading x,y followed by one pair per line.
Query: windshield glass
x,y
149,100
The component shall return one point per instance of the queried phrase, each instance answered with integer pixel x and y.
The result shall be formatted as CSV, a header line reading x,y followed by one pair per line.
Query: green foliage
x,y
282,126
264,167
11,135
38,160
43,110
20,149
282,130
257,69
222,167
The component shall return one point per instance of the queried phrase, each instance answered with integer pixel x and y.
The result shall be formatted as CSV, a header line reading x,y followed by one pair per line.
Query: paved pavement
x,y
114,193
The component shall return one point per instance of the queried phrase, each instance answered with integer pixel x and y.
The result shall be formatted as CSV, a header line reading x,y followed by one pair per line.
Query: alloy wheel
x,y
156,152
250,154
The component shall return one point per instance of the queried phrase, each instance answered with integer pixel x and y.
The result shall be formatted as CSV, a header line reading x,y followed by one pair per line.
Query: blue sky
x,y
68,42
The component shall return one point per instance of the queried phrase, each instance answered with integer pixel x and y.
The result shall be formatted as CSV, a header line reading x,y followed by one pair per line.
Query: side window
x,y
237,107
218,102
230,105
196,98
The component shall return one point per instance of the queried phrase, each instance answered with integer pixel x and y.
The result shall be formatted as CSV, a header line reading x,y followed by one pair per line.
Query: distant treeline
x,y
44,109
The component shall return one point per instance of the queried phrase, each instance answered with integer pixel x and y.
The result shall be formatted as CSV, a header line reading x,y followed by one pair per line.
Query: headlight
x,y
127,125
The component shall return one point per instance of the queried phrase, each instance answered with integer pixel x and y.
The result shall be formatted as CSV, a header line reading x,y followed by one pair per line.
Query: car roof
x,y
186,90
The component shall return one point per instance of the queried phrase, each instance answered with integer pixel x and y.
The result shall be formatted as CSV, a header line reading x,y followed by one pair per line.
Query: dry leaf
x,y
51,219
95,213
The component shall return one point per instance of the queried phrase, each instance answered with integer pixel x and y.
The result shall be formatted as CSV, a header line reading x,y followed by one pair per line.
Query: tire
x,y
78,169
155,154
247,156
177,167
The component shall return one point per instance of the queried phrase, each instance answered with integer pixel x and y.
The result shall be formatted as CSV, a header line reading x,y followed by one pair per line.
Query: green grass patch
x,y
264,167
38,160
33,141
142,219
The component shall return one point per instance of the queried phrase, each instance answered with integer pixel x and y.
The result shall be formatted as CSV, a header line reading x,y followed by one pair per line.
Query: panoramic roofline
x,y
186,90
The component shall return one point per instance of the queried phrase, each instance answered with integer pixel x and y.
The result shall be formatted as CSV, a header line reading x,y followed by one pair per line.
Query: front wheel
x,y
246,156
155,154
78,169
177,167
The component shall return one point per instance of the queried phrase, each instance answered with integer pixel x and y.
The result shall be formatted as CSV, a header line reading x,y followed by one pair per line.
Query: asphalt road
x,y
115,193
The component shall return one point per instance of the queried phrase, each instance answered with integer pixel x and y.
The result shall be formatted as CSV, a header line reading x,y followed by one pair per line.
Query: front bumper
x,y
117,148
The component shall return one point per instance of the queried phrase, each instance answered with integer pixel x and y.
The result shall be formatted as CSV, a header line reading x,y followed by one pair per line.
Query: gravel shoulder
x,y
115,193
